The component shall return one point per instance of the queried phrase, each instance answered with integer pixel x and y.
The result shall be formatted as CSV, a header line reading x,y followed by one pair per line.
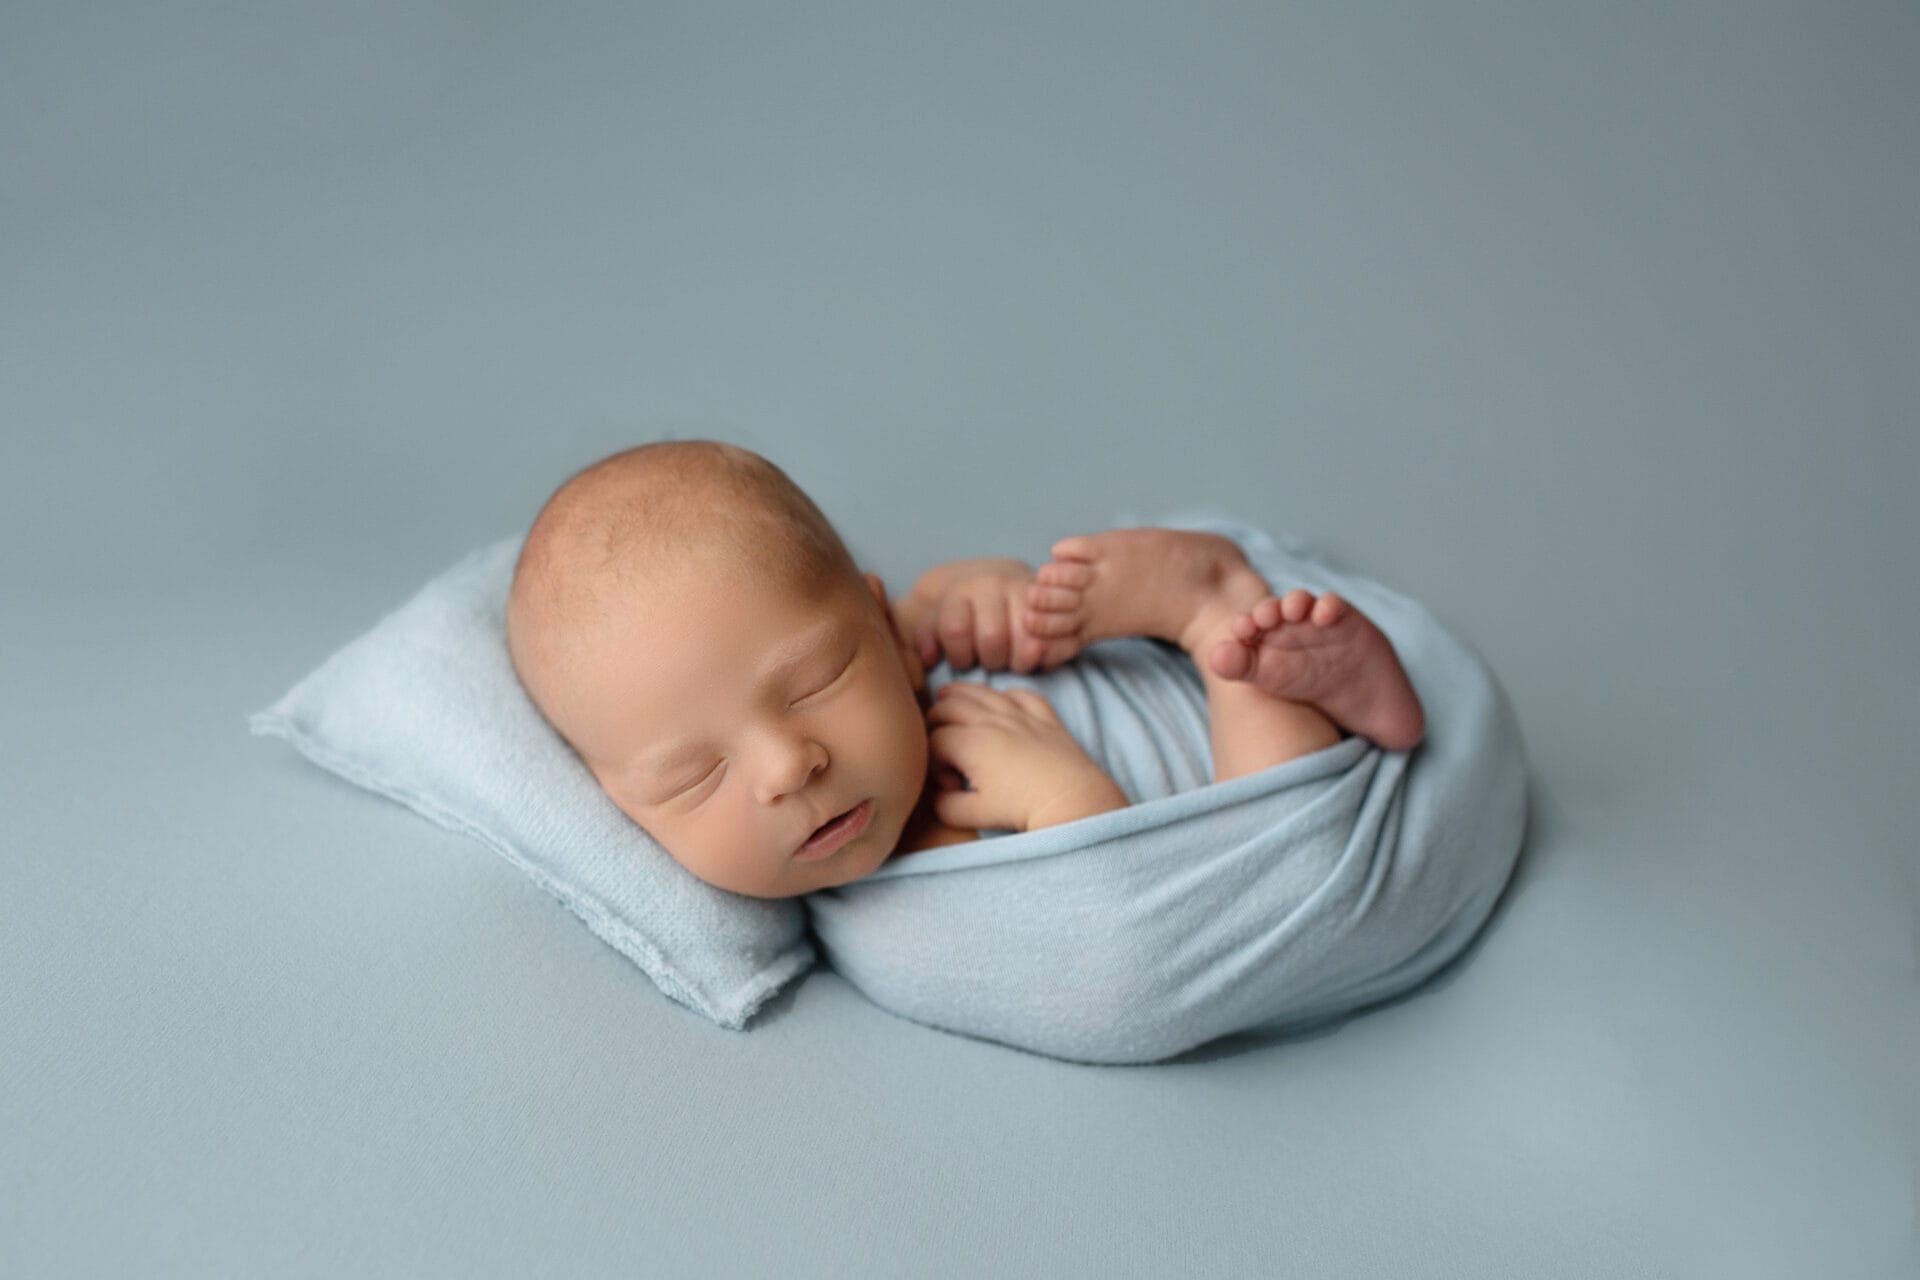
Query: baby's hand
x,y
1024,769
975,612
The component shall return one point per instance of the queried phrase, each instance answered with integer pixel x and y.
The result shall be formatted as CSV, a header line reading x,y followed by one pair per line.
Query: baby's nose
x,y
793,766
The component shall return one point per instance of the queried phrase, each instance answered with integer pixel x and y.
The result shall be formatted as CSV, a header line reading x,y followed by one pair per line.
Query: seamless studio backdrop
x,y
1590,327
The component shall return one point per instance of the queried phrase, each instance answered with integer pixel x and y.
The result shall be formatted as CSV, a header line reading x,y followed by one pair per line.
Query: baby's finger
x,y
1034,704
990,630
1027,652
956,630
960,700
965,809
955,747
973,691
952,711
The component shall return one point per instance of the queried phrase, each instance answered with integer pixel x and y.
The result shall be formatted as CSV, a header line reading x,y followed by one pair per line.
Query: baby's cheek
x,y
906,735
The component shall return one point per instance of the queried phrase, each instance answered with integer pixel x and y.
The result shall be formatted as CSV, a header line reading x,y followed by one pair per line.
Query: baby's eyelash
x,y
678,792
844,668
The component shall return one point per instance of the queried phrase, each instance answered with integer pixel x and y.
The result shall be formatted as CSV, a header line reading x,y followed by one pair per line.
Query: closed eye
x,y
844,668
679,791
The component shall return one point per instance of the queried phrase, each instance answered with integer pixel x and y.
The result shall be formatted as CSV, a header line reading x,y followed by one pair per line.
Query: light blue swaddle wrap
x,y
1272,901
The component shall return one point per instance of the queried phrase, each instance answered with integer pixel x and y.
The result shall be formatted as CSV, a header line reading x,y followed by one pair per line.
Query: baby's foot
x,y
1328,654
1171,584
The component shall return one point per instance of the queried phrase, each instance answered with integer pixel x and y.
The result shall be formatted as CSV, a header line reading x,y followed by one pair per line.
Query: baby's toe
x,y
1266,615
1052,626
1329,609
1052,599
1296,604
1079,547
1059,653
1056,573
1232,660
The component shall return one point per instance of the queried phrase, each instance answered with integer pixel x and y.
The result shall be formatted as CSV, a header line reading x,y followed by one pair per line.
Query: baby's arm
x,y
1022,769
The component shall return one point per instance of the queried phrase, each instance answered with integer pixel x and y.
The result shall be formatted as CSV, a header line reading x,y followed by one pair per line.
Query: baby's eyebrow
x,y
788,656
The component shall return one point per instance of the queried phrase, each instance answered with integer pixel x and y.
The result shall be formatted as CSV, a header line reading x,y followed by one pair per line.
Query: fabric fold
x,y
1270,902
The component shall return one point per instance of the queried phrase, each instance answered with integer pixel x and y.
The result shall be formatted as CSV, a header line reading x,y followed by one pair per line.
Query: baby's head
x,y
693,627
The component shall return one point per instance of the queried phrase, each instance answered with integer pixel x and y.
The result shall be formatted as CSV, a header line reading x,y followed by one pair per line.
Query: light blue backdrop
x,y
1591,326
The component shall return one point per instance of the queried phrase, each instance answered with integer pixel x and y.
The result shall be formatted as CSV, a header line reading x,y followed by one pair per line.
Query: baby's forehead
x,y
673,583
680,604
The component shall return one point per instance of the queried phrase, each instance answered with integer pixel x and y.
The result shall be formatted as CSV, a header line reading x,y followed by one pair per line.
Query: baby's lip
x,y
831,818
836,817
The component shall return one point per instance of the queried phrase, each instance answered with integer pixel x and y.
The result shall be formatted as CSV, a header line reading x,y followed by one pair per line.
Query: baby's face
x,y
732,723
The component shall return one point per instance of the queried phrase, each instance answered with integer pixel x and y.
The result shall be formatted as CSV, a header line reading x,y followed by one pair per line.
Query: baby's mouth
x,y
836,831
838,817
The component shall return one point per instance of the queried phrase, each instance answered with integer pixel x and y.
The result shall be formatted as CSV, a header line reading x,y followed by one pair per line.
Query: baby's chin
x,y
833,878
861,857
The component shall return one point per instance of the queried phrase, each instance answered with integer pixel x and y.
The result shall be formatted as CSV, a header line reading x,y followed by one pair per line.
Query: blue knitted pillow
x,y
425,709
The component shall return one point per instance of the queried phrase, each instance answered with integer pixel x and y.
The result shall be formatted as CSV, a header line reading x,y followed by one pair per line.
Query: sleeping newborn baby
x,y
691,625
